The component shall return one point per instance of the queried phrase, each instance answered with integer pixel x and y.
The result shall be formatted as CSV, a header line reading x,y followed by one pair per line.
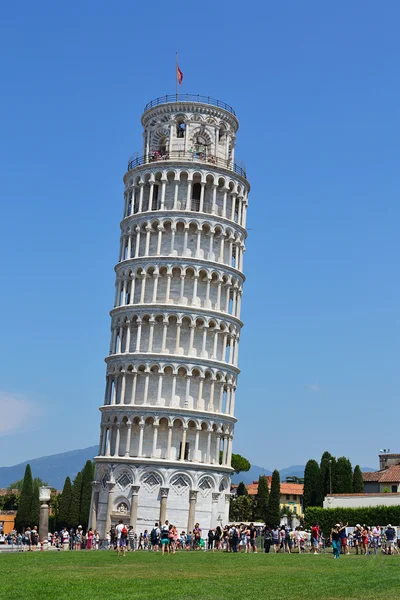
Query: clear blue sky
x,y
316,88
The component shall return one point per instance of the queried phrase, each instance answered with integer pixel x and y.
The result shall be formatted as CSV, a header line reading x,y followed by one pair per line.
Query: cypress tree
x,y
35,508
312,494
24,516
86,495
262,499
65,505
273,510
76,497
327,470
343,476
241,490
358,482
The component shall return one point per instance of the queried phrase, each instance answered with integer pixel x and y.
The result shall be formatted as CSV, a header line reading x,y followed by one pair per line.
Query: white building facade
x,y
167,422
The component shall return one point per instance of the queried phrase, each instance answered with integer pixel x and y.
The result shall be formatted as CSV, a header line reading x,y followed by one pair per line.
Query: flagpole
x,y
176,76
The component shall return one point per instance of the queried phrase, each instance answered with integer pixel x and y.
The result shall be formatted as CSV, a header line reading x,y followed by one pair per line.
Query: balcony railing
x,y
189,98
177,155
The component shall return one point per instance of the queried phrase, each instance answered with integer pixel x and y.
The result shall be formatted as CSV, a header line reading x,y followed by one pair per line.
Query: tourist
x,y
65,539
155,538
197,535
301,539
282,535
315,533
225,539
34,538
343,539
89,539
113,537
390,534
122,535
140,542
217,537
267,539
78,538
146,539
165,537
276,539
233,538
365,539
252,538
376,538
107,541
27,539
335,540
189,540
287,541
211,538
357,538
243,537
131,539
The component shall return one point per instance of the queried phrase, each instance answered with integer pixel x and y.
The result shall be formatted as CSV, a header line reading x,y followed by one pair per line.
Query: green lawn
x,y
197,575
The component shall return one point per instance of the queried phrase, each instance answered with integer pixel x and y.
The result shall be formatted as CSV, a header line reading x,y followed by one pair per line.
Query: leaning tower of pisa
x,y
168,416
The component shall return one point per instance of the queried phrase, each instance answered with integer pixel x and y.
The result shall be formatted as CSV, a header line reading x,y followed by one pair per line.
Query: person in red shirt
x,y
315,533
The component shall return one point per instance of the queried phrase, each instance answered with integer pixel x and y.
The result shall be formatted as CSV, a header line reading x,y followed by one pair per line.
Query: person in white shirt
x,y
65,539
122,534
376,538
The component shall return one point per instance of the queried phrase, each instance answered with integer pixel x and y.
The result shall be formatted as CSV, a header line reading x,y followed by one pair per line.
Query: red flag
x,y
179,75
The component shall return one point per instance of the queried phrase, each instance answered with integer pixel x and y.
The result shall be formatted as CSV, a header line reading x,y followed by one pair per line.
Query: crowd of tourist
x,y
167,539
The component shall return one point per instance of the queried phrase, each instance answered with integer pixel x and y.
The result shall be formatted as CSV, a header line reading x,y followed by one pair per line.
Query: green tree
x,y
240,464
327,469
261,501
358,482
272,517
241,509
343,482
17,485
35,509
9,502
75,508
86,494
241,490
286,510
65,505
24,516
312,494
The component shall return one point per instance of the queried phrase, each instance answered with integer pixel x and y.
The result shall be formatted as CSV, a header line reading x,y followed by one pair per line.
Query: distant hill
x,y
250,476
255,472
55,468
51,469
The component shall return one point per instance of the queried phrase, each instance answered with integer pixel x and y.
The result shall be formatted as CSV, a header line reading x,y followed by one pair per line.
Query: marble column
x,y
192,509
111,486
183,444
128,438
134,505
214,510
163,504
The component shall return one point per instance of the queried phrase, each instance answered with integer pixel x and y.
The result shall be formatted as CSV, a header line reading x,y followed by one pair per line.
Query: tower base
x,y
143,494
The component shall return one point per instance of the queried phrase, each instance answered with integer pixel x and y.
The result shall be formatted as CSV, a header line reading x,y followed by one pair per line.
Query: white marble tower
x,y
168,416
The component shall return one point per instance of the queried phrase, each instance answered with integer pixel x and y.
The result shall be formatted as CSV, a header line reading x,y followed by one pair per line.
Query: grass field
x,y
197,575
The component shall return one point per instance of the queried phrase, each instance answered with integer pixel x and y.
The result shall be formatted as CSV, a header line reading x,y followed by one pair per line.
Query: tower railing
x,y
194,156
169,98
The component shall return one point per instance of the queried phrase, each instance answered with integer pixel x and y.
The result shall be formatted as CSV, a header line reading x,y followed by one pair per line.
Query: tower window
x,y
154,204
196,196
186,457
180,128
